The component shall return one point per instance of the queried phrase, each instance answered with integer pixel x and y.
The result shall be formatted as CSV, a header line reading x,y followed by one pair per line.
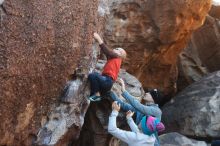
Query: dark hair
x,y
156,95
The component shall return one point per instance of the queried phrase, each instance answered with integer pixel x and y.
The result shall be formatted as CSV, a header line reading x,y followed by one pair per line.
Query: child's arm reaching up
x,y
108,52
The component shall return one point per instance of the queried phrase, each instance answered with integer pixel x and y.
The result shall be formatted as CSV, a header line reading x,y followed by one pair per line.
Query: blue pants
x,y
100,83
216,143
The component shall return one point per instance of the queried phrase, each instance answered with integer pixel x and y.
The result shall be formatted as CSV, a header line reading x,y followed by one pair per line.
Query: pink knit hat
x,y
154,124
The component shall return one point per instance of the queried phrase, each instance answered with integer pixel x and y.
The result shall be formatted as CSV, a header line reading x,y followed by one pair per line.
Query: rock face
x,y
195,110
176,139
202,54
154,32
190,67
207,41
41,44
215,11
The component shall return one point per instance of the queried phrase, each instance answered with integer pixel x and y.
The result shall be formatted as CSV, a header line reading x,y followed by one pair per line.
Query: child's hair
x,y
156,95
123,53
151,125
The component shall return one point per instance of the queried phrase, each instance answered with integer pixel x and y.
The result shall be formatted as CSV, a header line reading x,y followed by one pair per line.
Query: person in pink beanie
x,y
135,137
151,125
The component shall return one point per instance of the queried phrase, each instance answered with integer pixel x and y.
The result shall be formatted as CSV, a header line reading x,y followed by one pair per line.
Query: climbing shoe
x,y
95,98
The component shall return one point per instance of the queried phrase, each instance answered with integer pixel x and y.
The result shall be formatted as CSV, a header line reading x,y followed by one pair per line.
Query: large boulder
x,y
154,32
202,53
41,44
195,110
215,11
176,139
190,67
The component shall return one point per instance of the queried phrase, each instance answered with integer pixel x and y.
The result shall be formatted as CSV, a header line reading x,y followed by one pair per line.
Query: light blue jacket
x,y
135,106
132,138
139,109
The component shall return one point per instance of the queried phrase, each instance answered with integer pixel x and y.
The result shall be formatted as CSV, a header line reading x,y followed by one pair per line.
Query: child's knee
x,y
91,76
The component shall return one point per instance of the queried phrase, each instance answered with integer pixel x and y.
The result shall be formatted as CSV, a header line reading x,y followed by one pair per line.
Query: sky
x,y
217,2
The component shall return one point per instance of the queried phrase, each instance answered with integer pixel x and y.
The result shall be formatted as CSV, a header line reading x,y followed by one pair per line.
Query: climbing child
x,y
147,107
102,83
141,135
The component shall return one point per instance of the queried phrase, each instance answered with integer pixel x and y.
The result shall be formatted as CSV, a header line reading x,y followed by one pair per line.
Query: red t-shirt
x,y
112,68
